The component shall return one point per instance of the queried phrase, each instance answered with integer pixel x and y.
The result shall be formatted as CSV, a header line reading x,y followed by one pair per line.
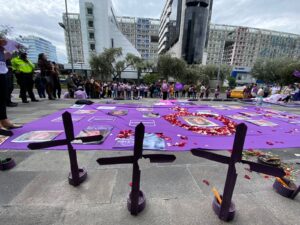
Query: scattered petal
x,y
247,177
206,182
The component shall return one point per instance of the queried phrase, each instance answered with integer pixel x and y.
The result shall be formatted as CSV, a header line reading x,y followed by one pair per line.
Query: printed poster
x,y
106,107
262,123
199,121
82,111
94,131
118,112
151,115
147,123
38,136
151,142
102,118
74,119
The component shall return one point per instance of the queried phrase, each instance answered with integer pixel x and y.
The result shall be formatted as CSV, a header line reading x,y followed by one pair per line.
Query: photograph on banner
x,y
147,123
251,114
101,118
88,111
151,115
77,106
38,136
151,142
106,107
74,119
206,112
94,131
263,123
238,117
118,112
3,139
144,109
199,121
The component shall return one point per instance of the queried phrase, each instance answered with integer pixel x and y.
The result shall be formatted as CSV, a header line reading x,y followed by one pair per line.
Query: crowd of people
x,y
80,87
284,94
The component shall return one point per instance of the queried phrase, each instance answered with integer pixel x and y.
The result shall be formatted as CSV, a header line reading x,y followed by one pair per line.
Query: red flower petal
x,y
206,182
247,177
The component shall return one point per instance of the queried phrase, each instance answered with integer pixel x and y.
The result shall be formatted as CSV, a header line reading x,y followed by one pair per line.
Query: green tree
x,y
278,70
231,82
106,65
151,78
212,71
171,67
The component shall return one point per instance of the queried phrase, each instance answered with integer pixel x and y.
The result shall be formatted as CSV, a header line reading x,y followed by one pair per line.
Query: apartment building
x,y
142,33
76,37
242,46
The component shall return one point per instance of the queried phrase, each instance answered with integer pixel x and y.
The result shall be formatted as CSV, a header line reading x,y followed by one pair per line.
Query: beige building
x,y
142,33
76,37
242,46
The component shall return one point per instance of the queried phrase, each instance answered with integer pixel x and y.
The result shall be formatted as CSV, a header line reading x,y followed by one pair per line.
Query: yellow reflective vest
x,y
21,66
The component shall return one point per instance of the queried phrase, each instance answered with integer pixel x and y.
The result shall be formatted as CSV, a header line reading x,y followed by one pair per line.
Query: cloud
x,y
41,17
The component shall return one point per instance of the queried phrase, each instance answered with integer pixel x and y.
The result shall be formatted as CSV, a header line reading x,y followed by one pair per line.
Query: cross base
x,y
7,164
217,209
141,203
287,192
82,175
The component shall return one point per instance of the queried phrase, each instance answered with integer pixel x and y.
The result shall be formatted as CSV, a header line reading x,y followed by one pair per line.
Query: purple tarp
x,y
285,135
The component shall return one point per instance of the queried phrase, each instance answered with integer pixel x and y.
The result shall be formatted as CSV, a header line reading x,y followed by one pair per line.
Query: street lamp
x,y
69,35
222,55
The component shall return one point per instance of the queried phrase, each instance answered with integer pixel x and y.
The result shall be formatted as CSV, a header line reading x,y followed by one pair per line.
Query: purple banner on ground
x,y
266,128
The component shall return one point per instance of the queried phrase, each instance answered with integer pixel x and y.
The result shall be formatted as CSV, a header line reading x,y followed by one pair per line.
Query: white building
x,y
100,30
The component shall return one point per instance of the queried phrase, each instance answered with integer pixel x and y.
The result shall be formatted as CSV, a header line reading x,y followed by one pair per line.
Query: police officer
x,y
24,69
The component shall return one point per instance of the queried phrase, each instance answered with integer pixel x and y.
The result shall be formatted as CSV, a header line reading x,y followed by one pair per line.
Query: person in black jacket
x,y
47,74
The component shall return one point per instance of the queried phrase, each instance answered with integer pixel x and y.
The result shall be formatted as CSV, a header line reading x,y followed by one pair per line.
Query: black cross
x,y
236,157
77,175
136,201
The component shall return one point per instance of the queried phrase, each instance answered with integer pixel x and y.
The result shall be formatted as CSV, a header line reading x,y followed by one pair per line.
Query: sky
x,y
41,17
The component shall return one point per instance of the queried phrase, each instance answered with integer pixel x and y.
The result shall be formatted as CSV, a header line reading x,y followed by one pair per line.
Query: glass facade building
x,y
36,45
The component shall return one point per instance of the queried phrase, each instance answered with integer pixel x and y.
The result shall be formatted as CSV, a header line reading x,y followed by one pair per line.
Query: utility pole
x,y
69,36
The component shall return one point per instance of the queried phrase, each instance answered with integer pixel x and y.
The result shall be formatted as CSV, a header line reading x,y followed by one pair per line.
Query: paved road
x,y
36,191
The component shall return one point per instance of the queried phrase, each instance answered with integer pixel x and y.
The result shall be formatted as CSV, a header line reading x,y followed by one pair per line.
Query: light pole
x,y
69,34
222,54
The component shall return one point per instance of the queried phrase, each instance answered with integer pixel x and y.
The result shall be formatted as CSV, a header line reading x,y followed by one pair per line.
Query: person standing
x,y
47,74
9,81
207,91
217,92
165,89
24,69
5,123
202,91
56,81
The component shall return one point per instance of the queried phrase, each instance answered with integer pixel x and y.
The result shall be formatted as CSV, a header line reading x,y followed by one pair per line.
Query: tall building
x,y
100,29
242,46
76,37
142,33
184,29
36,45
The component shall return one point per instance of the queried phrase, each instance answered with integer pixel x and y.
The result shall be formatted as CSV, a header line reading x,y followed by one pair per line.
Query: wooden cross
x,y
236,157
77,175
136,201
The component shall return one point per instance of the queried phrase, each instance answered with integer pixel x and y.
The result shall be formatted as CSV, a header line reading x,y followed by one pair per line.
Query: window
x,y
90,11
91,23
92,47
92,35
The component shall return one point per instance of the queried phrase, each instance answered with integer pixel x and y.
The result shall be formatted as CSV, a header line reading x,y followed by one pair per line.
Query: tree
x,y
278,70
231,82
151,78
212,71
171,67
105,65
